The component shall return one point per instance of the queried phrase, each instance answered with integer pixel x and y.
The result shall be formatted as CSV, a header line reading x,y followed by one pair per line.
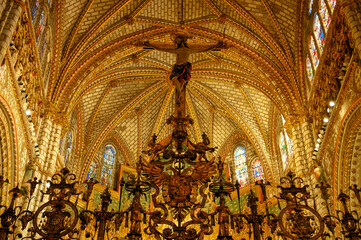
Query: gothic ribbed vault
x,y
122,91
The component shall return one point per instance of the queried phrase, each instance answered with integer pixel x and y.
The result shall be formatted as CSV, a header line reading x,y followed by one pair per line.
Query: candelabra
x,y
221,189
349,221
298,220
136,187
178,205
178,174
52,220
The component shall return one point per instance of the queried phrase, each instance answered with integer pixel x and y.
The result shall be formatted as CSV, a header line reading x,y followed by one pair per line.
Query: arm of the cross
x,y
148,45
219,45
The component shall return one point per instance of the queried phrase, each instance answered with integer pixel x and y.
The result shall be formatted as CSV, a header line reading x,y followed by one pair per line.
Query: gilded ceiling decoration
x,y
102,69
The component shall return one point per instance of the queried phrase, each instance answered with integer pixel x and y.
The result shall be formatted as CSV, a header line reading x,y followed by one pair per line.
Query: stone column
x,y
295,133
49,139
9,18
303,147
352,11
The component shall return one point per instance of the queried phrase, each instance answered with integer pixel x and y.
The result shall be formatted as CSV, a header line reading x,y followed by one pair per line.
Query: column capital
x,y
294,120
21,3
56,115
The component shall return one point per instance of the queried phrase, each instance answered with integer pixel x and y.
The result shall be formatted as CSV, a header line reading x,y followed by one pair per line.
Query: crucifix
x,y
181,71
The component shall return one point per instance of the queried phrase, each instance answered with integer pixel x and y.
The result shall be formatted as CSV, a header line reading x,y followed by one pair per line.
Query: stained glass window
x,y
332,4
310,7
320,36
286,146
68,150
34,9
325,14
309,69
314,54
241,165
283,148
92,171
108,166
317,40
40,27
257,170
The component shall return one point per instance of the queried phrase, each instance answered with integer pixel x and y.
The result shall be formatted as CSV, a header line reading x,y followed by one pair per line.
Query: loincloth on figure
x,y
182,72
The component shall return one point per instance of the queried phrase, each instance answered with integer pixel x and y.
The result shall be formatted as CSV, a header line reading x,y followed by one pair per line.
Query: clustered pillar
x,y
49,139
352,11
303,147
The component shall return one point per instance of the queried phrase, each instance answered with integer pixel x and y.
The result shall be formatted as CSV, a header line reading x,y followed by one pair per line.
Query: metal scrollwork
x,y
55,219
301,222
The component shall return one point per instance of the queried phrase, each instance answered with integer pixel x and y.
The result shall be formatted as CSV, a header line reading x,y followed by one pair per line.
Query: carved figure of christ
x,y
180,74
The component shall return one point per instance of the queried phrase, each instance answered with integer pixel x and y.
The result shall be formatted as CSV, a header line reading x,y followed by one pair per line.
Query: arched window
x,y
321,22
68,149
40,26
310,73
240,162
319,34
257,170
108,166
92,171
286,147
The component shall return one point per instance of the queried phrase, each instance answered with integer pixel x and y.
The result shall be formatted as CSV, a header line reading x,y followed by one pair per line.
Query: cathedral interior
x,y
180,119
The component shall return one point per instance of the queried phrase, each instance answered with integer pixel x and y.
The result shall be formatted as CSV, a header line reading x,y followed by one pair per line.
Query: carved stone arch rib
x,y
9,162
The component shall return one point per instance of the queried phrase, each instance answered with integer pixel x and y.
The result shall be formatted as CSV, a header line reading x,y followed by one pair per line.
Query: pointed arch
x,y
9,165
322,13
107,172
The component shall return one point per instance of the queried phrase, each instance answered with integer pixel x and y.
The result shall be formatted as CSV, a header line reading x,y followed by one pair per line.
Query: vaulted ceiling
x,y
123,90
